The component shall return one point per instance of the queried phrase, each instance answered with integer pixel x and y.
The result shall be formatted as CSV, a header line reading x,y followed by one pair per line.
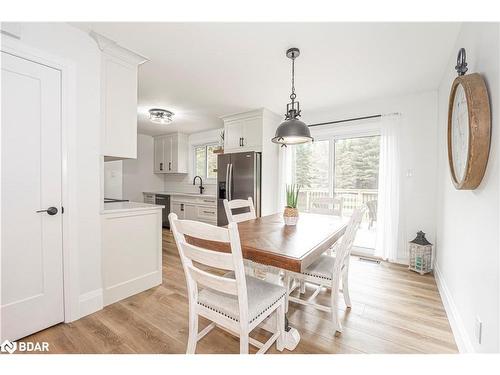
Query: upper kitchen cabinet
x,y
118,99
171,153
246,131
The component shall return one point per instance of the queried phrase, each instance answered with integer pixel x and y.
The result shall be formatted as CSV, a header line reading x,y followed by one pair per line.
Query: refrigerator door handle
x,y
230,181
227,181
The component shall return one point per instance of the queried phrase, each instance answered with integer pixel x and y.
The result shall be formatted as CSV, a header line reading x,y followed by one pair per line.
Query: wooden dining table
x,y
268,241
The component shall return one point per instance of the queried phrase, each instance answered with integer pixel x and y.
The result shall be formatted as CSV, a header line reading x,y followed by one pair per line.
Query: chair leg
x,y
244,342
280,326
193,332
287,287
345,287
335,309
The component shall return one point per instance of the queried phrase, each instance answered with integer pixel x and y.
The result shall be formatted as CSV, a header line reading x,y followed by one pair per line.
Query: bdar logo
x,y
8,347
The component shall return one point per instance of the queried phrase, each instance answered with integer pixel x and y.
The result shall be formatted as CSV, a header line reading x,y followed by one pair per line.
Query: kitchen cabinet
x,y
198,208
253,131
190,212
118,99
248,131
131,249
178,209
171,153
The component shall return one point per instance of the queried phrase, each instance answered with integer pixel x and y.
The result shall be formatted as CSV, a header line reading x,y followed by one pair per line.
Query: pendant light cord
x,y
292,95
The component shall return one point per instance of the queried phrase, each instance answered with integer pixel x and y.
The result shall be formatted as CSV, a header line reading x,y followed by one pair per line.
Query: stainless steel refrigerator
x,y
238,177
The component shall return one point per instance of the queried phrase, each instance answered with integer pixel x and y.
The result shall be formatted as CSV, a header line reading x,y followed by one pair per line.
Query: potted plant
x,y
291,213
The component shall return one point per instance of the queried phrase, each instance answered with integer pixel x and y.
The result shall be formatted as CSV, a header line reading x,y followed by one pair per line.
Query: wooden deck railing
x,y
352,198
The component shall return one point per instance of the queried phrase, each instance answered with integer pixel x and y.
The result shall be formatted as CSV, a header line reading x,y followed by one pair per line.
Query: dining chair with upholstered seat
x,y
329,271
234,301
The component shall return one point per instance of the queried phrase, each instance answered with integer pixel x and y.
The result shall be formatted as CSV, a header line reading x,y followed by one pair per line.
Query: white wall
x,y
83,204
419,150
138,173
468,221
113,179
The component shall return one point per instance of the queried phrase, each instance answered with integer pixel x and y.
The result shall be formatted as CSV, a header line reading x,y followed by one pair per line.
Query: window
x,y
339,174
205,161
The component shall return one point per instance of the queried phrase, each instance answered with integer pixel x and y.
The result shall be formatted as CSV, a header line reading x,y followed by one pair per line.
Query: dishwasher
x,y
164,200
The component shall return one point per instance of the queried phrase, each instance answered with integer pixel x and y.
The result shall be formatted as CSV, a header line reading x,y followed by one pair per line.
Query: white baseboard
x,y
90,302
462,339
130,287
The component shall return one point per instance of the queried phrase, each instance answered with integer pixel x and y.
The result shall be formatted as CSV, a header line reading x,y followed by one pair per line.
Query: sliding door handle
x,y
51,211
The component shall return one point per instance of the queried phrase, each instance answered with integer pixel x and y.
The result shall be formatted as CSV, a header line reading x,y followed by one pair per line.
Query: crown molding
x,y
110,47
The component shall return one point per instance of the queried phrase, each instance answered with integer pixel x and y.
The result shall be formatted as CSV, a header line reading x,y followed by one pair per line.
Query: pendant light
x,y
292,131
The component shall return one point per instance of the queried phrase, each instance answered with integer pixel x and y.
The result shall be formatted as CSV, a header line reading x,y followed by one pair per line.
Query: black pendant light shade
x,y
292,131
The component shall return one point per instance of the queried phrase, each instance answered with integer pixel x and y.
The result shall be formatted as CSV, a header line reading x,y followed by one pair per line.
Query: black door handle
x,y
51,211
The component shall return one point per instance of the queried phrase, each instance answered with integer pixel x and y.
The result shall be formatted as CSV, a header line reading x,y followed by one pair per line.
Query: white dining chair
x,y
329,271
234,301
327,206
251,268
239,204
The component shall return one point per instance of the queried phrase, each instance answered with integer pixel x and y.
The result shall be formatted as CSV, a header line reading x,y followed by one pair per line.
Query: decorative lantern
x,y
420,254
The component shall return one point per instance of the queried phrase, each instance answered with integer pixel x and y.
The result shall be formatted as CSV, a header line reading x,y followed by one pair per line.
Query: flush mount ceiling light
x,y
292,131
160,116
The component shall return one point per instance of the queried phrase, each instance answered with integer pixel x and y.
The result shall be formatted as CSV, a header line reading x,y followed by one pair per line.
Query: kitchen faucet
x,y
201,183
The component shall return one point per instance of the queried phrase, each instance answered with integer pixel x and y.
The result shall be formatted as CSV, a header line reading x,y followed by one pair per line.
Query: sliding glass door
x,y
338,174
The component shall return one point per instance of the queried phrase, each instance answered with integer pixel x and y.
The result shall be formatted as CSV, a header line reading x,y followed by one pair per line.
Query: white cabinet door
x,y
119,102
190,212
179,159
233,134
159,158
167,152
171,154
31,257
178,209
252,134
243,135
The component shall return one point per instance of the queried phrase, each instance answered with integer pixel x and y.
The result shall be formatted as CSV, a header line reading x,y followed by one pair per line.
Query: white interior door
x,y
31,257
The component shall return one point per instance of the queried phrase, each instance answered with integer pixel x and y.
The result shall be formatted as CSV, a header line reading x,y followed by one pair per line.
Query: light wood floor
x,y
394,311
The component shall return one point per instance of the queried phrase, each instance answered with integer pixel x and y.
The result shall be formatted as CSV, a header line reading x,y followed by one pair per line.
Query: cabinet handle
x,y
161,166
182,206
243,141
169,165
208,201
208,212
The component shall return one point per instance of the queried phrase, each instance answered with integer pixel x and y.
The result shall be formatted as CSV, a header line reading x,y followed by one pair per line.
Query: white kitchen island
x,y
131,249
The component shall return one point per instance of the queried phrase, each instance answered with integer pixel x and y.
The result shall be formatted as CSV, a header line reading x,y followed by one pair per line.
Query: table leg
x,y
292,336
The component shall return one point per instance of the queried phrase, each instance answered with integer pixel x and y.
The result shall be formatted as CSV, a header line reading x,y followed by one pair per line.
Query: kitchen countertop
x,y
128,206
181,194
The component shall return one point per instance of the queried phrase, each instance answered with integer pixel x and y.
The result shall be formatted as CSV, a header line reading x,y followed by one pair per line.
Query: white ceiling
x,y
202,71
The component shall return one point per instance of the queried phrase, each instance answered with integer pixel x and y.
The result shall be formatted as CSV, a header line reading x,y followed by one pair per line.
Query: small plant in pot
x,y
291,213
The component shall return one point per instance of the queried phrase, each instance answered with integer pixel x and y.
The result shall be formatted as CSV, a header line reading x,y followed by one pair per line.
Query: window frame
x,y
205,178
